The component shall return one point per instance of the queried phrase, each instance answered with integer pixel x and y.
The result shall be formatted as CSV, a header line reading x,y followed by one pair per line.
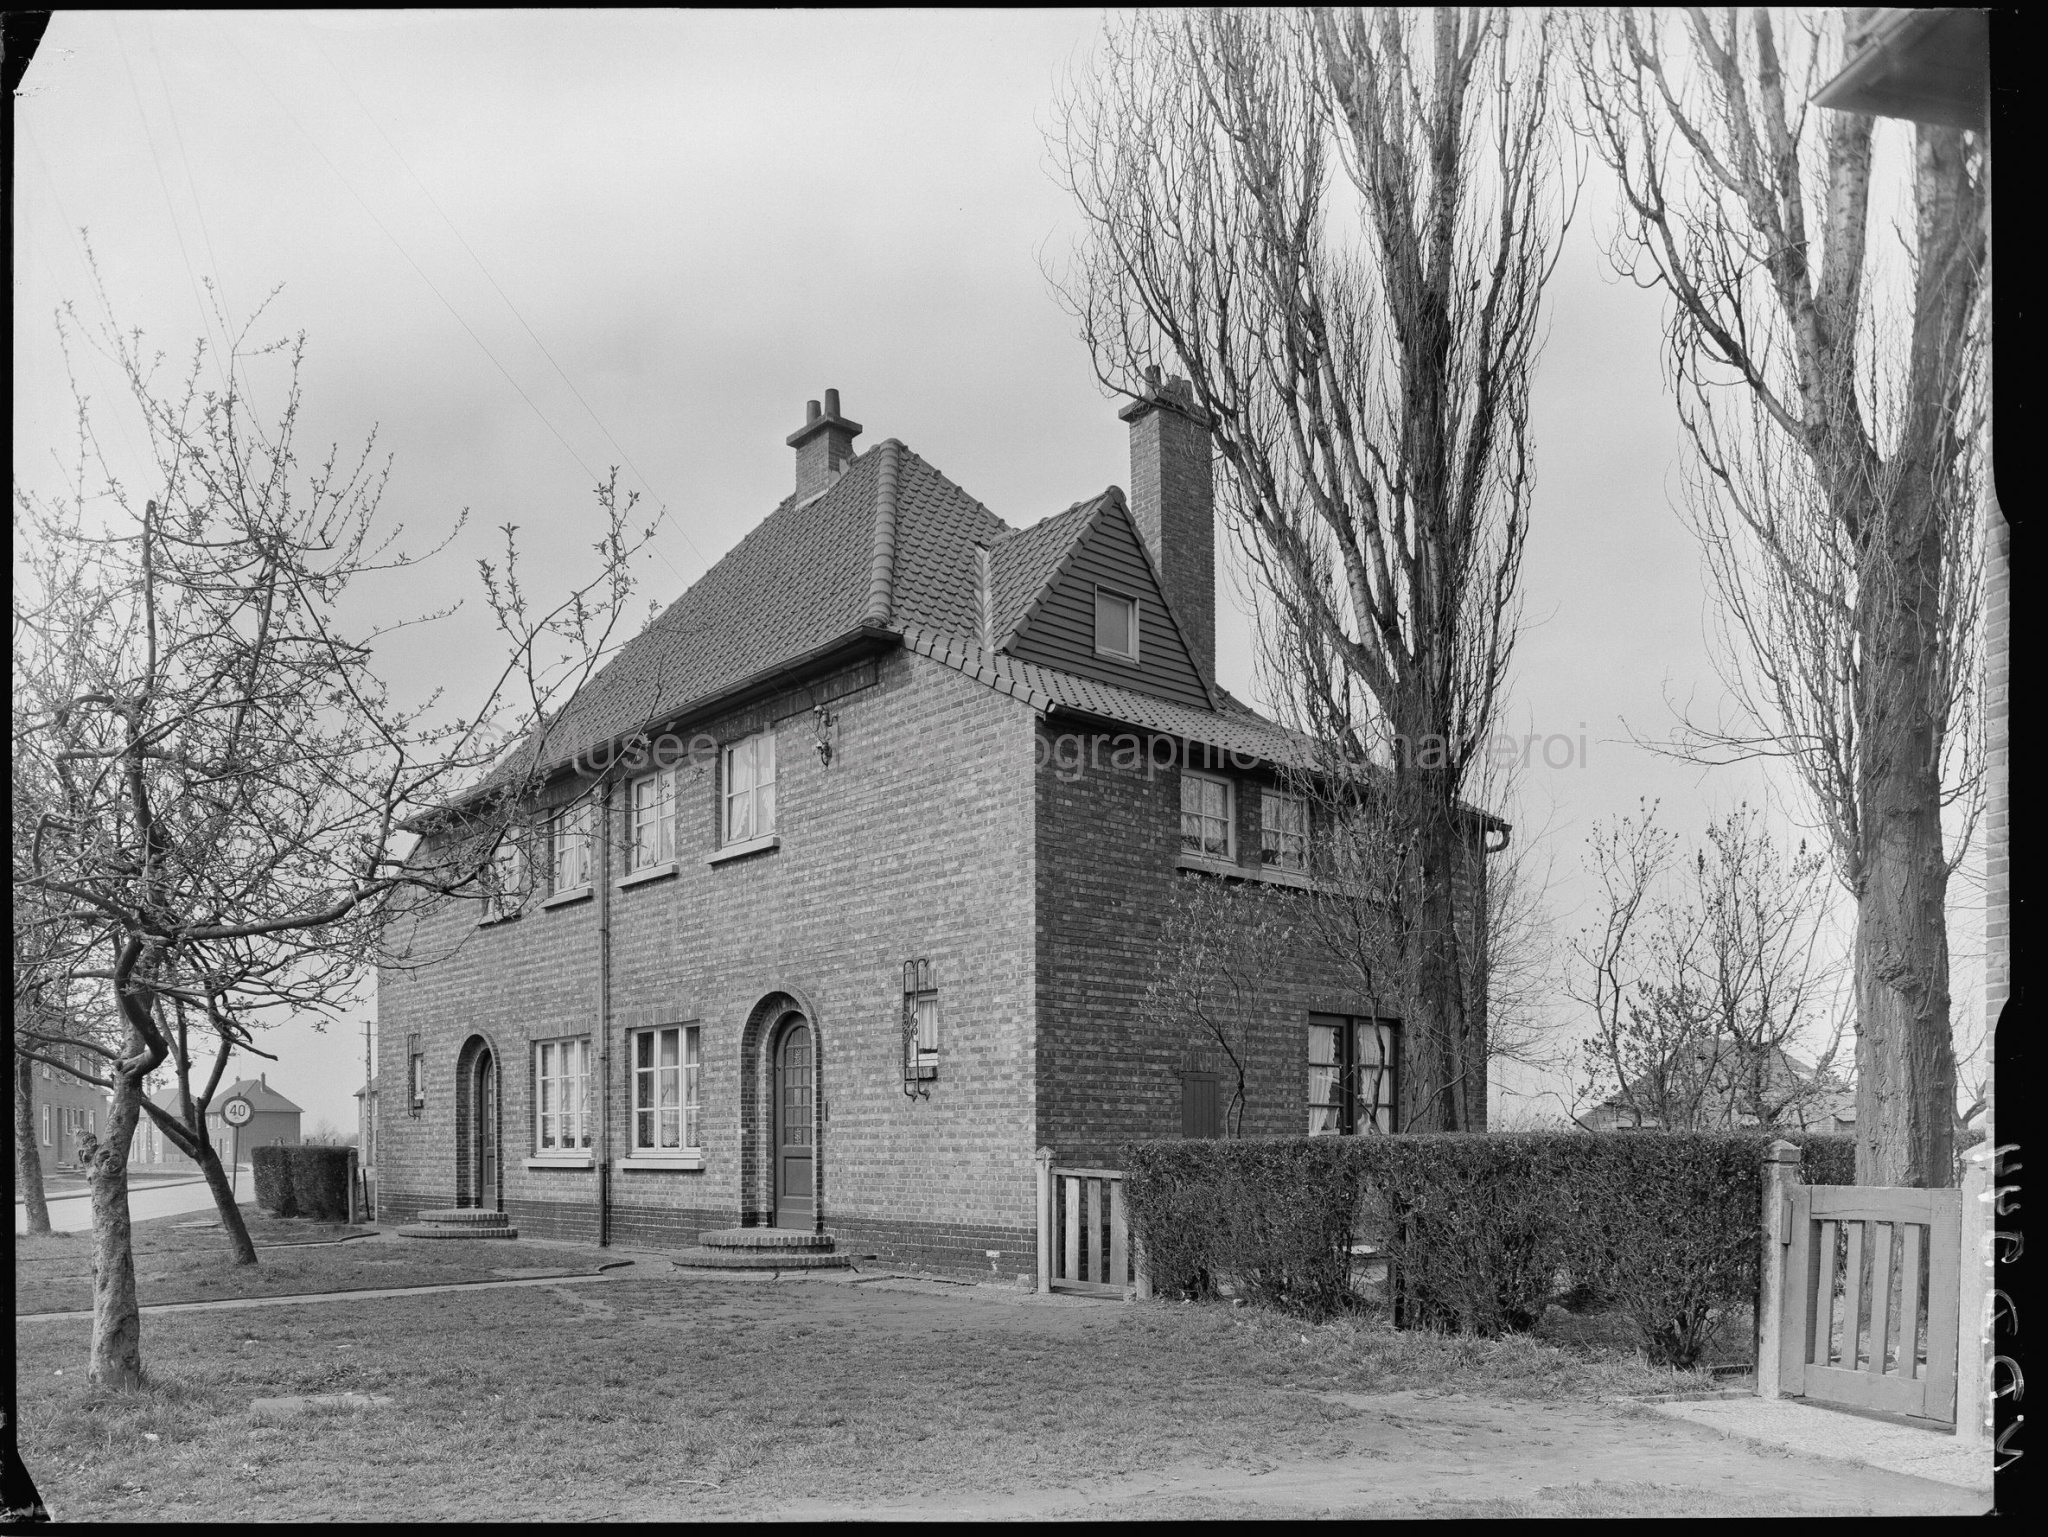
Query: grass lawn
x,y
660,1397
177,1261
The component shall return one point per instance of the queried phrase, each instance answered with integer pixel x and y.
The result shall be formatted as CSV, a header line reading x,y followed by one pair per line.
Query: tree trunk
x,y
116,1319
1905,1060
1441,1049
224,1202
28,1156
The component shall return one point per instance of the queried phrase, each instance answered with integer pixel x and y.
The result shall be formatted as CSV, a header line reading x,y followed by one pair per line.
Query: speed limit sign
x,y
237,1111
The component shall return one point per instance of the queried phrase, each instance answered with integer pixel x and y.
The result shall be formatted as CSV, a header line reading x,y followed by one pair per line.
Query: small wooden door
x,y
487,1133
795,1156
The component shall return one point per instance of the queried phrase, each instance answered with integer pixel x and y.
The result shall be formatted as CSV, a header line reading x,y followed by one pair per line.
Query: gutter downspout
x,y
603,878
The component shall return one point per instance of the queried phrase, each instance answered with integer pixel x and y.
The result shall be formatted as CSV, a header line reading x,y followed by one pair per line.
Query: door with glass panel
x,y
795,1156
487,1133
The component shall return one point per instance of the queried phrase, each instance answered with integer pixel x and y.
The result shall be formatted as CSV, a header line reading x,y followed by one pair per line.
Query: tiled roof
x,y
258,1093
890,535
1048,688
1022,564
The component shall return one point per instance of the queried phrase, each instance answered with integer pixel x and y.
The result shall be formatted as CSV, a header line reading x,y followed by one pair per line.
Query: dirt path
x,y
1420,1454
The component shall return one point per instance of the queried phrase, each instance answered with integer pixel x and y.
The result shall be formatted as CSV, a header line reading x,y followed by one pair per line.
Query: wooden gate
x,y
1084,1237
1871,1298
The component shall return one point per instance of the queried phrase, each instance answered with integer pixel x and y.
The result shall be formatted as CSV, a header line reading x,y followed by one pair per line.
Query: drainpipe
x,y
603,895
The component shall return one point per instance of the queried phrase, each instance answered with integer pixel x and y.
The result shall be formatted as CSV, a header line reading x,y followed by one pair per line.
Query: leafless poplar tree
x,y
224,785
1833,418
1339,228
1703,975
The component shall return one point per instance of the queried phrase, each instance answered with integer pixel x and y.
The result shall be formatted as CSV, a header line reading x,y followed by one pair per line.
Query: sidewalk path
x,y
289,1299
1817,1432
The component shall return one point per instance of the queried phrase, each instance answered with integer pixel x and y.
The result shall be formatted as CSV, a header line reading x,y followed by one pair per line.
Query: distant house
x,y
64,1107
276,1121
1709,1090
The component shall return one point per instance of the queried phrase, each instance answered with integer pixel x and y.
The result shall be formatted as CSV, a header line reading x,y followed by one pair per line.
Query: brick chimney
x,y
822,444
1173,500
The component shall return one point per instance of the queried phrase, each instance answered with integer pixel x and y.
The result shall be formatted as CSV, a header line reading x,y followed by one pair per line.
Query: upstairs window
x,y
1351,1066
562,1084
1116,625
569,847
504,880
1205,816
665,1090
750,788
1283,830
652,809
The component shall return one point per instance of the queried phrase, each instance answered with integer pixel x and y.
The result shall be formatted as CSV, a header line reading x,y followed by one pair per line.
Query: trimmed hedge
x,y
1479,1230
303,1181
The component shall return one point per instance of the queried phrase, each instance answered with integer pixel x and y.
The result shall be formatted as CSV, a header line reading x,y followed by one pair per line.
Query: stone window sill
x,y
1267,874
663,1163
495,919
651,873
568,898
562,1161
742,850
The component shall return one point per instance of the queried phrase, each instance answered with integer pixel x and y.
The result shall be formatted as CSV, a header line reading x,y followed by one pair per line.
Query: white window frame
x,y
46,1127
1271,832
505,879
651,821
1200,848
569,848
563,1120
658,1088
1112,595
757,798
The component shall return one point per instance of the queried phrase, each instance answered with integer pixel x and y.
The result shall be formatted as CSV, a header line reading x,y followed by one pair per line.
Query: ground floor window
x,y
562,1091
1351,1066
46,1124
665,1089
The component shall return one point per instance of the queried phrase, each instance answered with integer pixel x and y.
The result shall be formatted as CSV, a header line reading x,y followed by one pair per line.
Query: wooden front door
x,y
795,1156
487,1133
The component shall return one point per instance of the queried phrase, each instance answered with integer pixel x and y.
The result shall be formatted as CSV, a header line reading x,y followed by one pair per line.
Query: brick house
x,y
275,1122
64,1106
841,898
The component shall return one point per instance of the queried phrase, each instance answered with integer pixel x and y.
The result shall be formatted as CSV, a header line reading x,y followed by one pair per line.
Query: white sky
x,y
527,246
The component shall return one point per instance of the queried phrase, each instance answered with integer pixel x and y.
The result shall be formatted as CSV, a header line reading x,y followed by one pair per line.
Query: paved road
x,y
73,1213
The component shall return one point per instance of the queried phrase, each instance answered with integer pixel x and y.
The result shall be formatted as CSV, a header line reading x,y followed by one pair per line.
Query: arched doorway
x,y
487,1182
793,1147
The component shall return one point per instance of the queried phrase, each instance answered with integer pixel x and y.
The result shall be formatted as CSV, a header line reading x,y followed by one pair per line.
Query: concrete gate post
x,y
1974,1299
1781,1173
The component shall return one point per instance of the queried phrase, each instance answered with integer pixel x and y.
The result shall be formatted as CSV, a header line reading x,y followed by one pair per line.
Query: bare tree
x,y
1214,952
1832,407
1703,975
1362,349
225,784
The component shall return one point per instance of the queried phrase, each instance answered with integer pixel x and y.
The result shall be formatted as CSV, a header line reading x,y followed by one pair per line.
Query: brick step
x,y
454,1230
760,1259
465,1216
765,1238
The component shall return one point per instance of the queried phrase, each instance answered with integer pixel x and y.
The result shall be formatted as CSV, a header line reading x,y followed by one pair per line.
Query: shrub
x,y
303,1182
274,1181
1480,1230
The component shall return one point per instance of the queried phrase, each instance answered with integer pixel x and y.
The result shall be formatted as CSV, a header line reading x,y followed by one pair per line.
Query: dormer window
x,y
1116,625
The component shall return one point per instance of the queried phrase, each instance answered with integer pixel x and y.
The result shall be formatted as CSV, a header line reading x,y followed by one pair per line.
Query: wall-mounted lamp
x,y
823,733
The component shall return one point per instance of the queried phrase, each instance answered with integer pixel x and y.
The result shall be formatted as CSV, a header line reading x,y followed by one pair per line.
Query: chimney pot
x,y
824,445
